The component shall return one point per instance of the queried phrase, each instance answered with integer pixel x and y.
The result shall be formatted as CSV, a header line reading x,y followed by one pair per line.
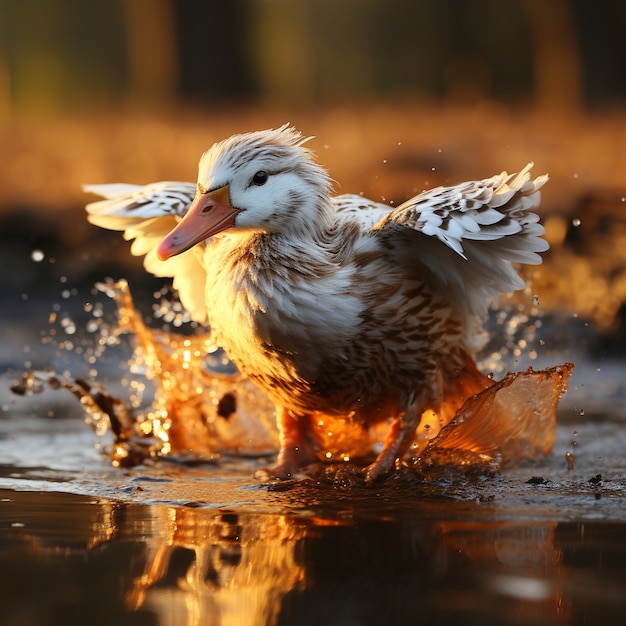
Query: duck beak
x,y
210,213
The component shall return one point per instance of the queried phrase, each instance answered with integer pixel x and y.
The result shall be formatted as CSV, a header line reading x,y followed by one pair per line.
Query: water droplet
x,y
37,256
575,175
576,222
569,458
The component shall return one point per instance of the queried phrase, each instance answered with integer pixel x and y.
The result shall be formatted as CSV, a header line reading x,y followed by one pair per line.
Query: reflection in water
x,y
227,568
74,560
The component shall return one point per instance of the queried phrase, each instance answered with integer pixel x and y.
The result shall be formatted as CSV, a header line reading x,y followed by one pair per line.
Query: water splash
x,y
517,322
199,407
185,398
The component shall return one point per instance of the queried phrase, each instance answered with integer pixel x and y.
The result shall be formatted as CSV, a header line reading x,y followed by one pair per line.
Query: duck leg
x,y
296,445
397,441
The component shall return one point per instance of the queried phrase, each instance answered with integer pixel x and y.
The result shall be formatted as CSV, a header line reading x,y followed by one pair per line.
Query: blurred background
x,y
401,95
65,55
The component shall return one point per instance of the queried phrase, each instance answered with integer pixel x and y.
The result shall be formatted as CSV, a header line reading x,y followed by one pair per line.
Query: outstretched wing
x,y
138,202
468,236
147,214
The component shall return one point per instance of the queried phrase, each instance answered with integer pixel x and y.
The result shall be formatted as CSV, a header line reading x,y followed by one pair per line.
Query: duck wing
x,y
467,237
147,214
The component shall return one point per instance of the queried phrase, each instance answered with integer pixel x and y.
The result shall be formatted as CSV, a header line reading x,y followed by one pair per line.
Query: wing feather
x,y
147,214
468,236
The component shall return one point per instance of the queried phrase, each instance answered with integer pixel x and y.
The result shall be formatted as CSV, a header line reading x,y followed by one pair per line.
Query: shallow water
x,y
65,557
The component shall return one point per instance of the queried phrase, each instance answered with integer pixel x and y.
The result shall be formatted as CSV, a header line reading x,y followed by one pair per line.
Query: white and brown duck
x,y
336,306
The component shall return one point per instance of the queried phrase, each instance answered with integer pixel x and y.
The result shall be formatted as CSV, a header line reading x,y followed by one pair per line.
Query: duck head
x,y
264,181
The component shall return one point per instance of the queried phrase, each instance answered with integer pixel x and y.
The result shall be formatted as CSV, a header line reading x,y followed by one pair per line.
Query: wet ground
x,y
204,543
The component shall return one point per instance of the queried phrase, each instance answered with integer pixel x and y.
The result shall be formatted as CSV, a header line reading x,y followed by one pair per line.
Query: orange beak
x,y
210,213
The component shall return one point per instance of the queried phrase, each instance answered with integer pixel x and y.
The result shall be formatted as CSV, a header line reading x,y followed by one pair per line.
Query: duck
x,y
334,305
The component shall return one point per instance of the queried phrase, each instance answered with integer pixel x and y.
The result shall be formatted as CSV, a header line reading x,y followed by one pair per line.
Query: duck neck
x,y
317,229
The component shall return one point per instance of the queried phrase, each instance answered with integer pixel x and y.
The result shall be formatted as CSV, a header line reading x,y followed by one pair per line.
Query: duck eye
x,y
260,178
